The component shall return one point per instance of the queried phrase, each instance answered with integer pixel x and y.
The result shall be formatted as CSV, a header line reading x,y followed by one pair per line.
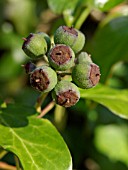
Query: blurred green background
x,y
97,139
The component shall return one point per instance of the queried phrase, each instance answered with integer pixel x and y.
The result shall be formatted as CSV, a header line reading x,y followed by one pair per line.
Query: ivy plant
x,y
27,131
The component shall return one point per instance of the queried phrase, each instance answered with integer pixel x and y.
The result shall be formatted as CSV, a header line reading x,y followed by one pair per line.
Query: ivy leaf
x,y
109,45
105,5
105,137
114,100
58,6
35,141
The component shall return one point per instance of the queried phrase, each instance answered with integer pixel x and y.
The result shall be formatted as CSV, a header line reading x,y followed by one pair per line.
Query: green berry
x,y
71,37
35,46
66,93
61,57
43,79
83,57
47,39
86,75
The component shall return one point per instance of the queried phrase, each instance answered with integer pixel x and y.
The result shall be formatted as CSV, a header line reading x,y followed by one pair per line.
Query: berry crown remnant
x,y
43,79
61,57
86,75
66,93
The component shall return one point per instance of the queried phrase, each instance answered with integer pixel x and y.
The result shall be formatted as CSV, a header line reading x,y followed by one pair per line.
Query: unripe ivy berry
x,y
71,37
35,46
43,79
61,57
84,58
86,75
47,39
66,93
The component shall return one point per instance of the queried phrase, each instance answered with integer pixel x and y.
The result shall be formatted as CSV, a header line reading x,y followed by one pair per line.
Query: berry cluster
x,y
61,57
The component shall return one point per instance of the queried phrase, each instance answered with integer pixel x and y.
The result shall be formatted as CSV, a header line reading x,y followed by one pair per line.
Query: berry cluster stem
x,y
6,166
60,117
82,18
46,109
62,74
39,102
17,162
3,153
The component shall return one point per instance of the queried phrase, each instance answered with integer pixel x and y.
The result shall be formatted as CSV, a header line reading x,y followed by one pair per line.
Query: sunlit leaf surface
x,y
35,141
114,100
112,141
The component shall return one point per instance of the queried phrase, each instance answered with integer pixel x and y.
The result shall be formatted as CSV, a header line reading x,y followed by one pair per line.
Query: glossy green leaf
x,y
109,45
35,141
112,141
114,100
58,6
106,5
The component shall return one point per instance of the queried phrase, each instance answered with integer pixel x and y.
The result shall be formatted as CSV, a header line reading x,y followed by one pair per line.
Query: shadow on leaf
x,y
15,115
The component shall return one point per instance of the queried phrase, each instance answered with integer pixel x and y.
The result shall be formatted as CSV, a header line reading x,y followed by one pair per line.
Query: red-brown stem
x,y
25,39
5,166
46,109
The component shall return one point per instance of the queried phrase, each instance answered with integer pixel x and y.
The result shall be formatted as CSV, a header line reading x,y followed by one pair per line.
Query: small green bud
x,y
66,93
71,37
61,57
43,79
86,75
84,58
47,39
34,46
